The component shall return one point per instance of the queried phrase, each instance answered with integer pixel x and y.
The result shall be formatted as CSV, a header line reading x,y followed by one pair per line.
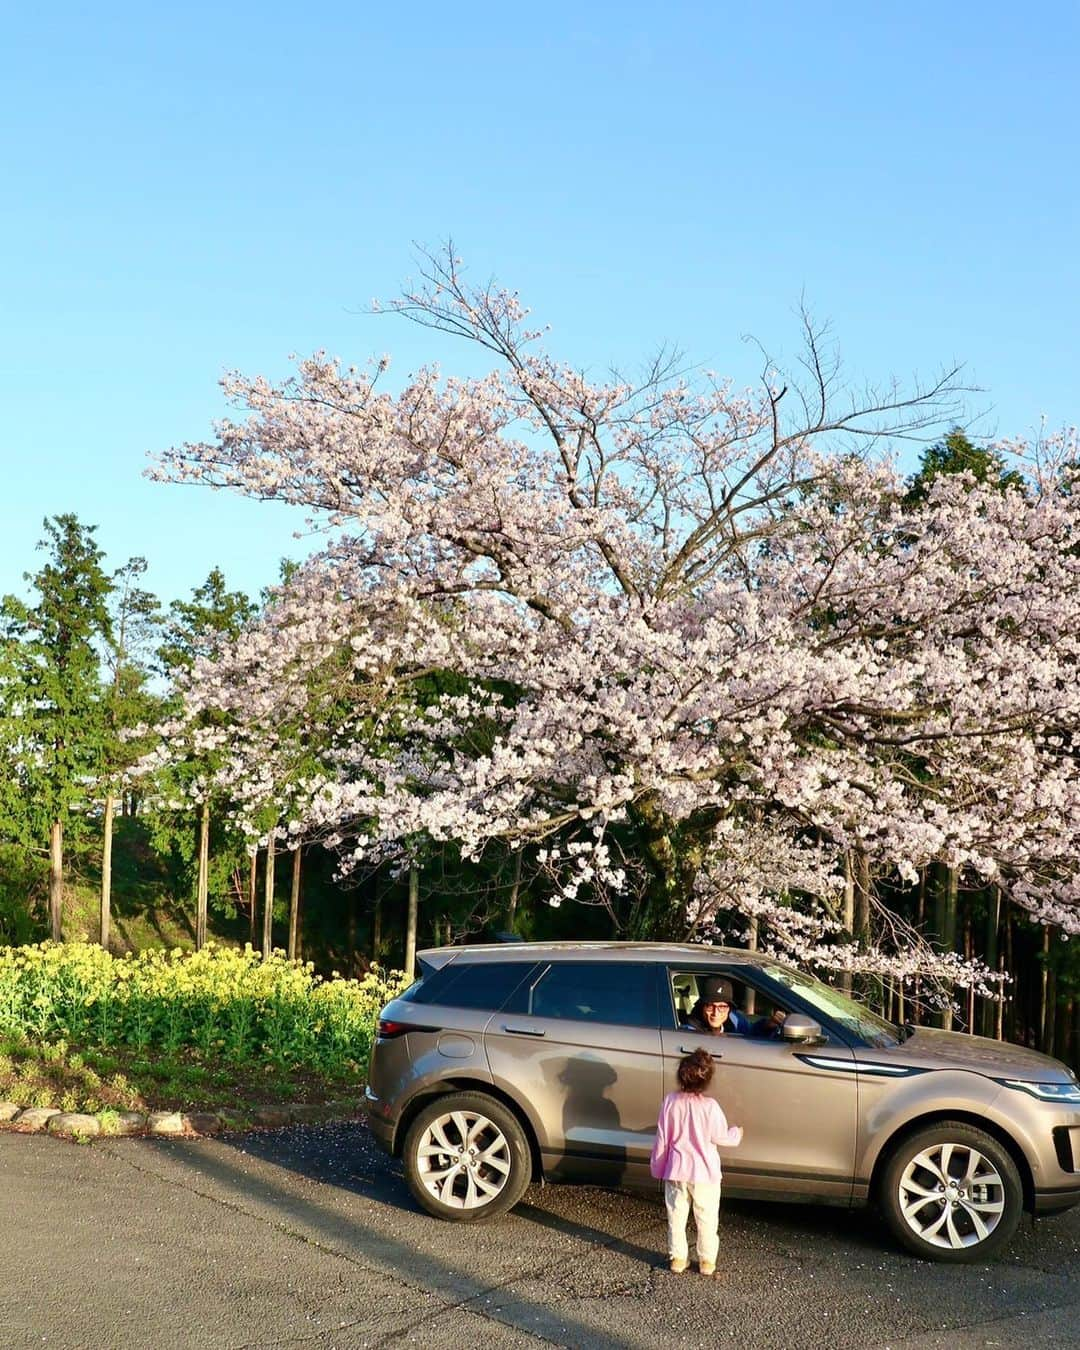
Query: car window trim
x,y
755,978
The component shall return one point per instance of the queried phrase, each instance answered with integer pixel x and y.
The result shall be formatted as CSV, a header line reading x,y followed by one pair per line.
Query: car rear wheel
x,y
466,1158
951,1192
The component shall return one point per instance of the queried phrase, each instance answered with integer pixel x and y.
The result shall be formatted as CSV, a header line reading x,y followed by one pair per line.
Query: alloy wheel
x,y
951,1195
463,1160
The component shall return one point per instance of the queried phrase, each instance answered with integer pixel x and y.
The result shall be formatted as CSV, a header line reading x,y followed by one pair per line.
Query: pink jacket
x,y
690,1128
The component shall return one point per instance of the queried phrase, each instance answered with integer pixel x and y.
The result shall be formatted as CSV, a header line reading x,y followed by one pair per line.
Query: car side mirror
x,y
799,1027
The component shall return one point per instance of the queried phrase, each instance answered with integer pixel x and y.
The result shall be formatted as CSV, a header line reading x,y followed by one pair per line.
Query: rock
x,y
271,1116
9,1110
74,1124
342,1110
165,1122
202,1122
130,1122
304,1114
35,1117
233,1120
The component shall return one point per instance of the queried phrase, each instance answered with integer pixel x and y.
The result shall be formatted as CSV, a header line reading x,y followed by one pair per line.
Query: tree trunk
x,y
106,870
999,1007
409,965
1046,999
1010,1019
511,908
252,895
294,906
350,932
863,886
990,954
376,929
946,887
662,913
202,888
849,912
56,880
268,900
874,989
752,945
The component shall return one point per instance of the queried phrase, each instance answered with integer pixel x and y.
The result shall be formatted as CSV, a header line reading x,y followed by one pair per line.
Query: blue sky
x,y
211,187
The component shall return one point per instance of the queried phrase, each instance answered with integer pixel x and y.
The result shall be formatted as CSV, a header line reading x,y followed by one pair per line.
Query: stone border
x,y
82,1126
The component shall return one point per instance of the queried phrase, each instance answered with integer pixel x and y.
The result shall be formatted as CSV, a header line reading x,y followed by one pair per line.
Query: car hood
x,y
929,1048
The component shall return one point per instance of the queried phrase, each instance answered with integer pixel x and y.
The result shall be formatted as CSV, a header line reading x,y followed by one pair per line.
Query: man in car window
x,y
715,1014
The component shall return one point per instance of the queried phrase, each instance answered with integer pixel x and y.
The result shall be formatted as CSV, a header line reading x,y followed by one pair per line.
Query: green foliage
x,y
957,454
129,704
194,629
224,1004
195,626
23,886
53,725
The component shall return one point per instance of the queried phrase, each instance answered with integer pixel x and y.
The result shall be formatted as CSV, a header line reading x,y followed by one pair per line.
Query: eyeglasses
x,y
717,1006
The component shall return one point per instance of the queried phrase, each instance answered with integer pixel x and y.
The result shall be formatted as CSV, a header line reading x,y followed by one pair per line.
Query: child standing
x,y
684,1157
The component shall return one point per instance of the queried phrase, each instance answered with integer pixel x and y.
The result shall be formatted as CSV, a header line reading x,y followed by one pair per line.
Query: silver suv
x,y
504,1064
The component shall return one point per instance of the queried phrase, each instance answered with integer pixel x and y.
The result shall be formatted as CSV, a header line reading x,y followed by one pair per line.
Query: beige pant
x,y
704,1196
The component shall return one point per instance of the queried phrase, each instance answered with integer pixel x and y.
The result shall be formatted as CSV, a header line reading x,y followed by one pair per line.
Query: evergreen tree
x,y
129,703
53,692
957,453
195,629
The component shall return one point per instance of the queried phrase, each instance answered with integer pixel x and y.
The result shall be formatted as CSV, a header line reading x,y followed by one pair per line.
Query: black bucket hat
x,y
716,990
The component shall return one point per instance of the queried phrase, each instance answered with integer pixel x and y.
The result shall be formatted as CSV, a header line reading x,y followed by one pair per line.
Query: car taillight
x,y
388,1029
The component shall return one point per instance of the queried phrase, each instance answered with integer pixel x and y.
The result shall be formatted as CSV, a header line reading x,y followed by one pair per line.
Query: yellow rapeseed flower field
x,y
222,1001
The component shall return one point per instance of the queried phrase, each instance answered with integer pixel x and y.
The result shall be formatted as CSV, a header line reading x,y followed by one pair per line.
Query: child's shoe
x,y
677,1265
707,1268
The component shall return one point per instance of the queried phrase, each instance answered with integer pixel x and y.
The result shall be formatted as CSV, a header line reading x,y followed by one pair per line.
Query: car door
x,y
578,1047
797,1104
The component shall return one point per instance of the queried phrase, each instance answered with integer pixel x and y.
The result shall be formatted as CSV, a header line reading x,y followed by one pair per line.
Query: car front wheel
x,y
951,1192
466,1158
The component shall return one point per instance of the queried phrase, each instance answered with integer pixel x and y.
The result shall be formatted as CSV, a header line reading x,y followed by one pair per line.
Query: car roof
x,y
682,952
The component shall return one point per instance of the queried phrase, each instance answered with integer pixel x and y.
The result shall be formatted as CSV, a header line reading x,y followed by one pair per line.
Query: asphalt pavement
x,y
307,1237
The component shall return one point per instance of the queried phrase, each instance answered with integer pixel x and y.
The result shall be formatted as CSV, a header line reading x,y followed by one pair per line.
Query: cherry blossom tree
x,y
701,646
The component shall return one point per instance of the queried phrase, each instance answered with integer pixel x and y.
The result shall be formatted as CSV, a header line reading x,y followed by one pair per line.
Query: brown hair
x,y
695,1071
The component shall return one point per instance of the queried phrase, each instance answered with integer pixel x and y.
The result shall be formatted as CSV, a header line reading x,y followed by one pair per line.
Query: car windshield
x,y
846,1012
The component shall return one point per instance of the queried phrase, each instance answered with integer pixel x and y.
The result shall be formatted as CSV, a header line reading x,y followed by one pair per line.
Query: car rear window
x,y
617,992
470,984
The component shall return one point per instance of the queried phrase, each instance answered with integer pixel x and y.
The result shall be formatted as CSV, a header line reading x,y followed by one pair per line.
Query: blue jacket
x,y
737,1024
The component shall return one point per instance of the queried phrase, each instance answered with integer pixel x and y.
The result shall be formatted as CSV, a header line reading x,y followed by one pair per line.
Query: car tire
x,y
951,1192
466,1158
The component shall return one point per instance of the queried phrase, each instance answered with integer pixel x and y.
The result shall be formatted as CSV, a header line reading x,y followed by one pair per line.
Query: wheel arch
x,y
987,1126
463,1083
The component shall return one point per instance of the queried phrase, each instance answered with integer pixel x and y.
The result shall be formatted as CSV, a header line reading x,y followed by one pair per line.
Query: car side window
x,y
463,984
618,992
750,1004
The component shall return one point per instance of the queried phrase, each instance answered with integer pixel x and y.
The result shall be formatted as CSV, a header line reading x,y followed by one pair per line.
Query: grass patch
x,y
82,1078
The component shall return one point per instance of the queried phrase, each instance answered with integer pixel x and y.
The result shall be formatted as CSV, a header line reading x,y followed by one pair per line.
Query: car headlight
x,y
1046,1092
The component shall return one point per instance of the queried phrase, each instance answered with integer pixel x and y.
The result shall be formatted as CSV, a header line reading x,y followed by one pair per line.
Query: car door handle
x,y
689,1050
523,1031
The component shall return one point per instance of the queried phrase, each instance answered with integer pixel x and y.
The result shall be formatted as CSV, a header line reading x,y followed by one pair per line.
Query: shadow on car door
x,y
579,1048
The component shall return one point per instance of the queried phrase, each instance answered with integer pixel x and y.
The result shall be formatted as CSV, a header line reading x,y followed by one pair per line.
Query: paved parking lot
x,y
307,1237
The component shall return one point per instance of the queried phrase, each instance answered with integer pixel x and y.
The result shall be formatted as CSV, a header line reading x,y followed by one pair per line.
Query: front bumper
x,y
1056,1199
